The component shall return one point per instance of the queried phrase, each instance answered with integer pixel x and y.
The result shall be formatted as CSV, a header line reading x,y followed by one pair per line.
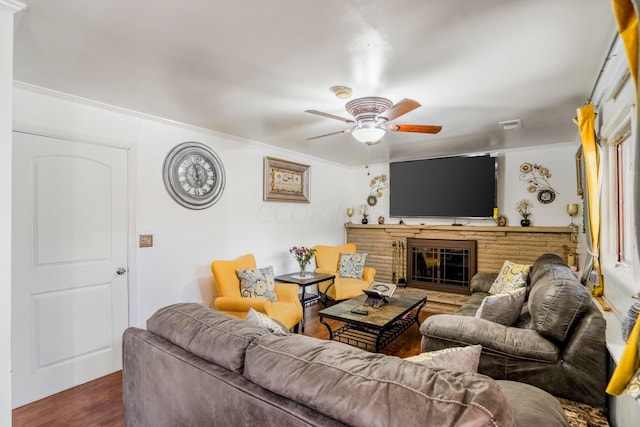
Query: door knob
x,y
121,271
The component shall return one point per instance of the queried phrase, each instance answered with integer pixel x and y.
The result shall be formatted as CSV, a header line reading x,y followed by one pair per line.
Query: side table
x,y
308,280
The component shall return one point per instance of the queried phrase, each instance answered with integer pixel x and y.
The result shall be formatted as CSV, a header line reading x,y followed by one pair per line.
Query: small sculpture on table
x,y
378,293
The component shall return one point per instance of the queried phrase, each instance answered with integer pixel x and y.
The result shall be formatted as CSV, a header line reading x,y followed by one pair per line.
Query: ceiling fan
x,y
371,117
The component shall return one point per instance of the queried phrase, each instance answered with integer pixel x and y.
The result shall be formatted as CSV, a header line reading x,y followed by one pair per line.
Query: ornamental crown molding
x,y
12,6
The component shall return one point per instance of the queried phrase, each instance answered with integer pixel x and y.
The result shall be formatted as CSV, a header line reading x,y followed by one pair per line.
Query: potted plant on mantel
x,y
524,207
364,213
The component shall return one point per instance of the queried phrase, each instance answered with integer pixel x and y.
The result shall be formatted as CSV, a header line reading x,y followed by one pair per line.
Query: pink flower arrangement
x,y
303,255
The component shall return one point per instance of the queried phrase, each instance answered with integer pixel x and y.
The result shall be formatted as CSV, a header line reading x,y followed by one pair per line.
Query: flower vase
x,y
365,221
525,222
303,272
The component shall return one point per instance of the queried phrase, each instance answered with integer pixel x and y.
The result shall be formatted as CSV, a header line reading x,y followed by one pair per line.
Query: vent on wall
x,y
511,124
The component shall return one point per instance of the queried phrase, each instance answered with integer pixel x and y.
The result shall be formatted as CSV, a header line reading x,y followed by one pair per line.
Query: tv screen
x,y
454,187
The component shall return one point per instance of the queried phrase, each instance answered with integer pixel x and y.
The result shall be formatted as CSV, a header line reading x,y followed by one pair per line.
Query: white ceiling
x,y
250,68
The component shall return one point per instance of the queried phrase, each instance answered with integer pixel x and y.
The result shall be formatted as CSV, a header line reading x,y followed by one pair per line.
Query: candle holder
x,y
572,210
349,214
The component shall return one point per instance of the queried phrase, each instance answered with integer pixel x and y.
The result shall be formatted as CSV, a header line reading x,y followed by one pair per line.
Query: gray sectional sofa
x,y
194,366
556,344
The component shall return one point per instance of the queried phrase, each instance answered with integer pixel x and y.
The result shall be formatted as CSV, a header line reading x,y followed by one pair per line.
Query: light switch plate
x,y
145,241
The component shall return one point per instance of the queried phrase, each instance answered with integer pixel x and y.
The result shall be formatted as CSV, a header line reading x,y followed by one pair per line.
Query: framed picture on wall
x,y
285,181
579,173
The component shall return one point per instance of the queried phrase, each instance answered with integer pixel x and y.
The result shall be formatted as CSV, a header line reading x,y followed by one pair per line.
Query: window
x,y
624,198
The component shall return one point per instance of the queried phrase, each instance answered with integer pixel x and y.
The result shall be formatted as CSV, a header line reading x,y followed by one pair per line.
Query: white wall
x,y
6,77
176,268
558,158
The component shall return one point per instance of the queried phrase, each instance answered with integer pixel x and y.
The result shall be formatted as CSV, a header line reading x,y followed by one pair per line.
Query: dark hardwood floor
x,y
99,402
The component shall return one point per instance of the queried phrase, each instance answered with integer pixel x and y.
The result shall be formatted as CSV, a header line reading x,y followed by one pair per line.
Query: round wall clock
x,y
193,175
546,196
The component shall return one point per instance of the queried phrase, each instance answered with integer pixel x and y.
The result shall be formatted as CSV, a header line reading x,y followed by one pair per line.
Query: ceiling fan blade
x,y
414,128
329,134
402,107
330,116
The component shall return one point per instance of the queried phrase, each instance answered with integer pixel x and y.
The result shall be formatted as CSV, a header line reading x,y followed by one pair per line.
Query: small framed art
x,y
285,181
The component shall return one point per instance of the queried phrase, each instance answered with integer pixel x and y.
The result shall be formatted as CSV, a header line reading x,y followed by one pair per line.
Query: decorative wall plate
x,y
372,200
546,196
193,175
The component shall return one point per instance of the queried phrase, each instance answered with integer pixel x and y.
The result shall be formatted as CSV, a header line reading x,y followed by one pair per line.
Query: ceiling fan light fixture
x,y
368,135
342,92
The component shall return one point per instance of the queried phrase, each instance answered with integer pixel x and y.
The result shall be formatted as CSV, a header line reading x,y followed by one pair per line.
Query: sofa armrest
x,y
481,282
448,330
241,304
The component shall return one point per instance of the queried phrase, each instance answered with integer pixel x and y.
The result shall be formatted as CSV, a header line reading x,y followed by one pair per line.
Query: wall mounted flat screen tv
x,y
453,187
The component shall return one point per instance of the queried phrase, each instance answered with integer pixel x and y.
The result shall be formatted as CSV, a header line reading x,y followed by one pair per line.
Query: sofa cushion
x,y
207,333
257,282
503,308
392,391
272,325
555,305
511,277
533,406
460,359
351,265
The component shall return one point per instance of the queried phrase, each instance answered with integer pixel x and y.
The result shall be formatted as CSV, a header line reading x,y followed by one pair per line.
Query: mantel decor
x,y
285,181
536,176
523,207
377,184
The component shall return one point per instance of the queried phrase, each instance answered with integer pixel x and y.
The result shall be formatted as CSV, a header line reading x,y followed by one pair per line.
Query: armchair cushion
x,y
512,276
504,308
351,265
257,282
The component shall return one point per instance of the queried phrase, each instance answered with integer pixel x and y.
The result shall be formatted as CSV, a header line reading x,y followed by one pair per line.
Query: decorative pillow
x,y
351,265
257,283
461,359
504,308
275,327
512,276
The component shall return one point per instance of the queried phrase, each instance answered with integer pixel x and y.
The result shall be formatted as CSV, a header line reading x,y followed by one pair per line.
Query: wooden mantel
x,y
494,244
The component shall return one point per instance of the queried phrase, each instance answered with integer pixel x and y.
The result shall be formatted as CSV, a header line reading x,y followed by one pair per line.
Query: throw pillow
x,y
275,327
461,359
504,308
257,283
512,276
351,265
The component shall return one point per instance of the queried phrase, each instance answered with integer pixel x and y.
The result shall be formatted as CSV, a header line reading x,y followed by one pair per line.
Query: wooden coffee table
x,y
381,326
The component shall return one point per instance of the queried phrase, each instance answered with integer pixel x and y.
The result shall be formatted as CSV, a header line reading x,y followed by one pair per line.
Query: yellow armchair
x,y
327,261
287,310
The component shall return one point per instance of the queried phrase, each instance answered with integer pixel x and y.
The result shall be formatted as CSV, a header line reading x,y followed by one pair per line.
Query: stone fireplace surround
x,y
494,244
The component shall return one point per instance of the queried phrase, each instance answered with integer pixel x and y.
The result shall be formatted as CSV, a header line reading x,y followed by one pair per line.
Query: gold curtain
x,y
586,124
627,18
628,29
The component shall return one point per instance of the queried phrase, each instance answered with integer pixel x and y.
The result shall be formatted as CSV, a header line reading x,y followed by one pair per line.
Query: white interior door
x,y
69,303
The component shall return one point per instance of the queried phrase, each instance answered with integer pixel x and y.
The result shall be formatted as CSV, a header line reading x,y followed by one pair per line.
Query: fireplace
x,y
441,265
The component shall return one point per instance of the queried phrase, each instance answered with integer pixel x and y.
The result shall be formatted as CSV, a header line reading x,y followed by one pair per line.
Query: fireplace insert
x,y
441,265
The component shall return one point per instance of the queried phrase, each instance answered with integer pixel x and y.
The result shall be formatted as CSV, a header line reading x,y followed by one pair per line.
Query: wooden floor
x,y
99,402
